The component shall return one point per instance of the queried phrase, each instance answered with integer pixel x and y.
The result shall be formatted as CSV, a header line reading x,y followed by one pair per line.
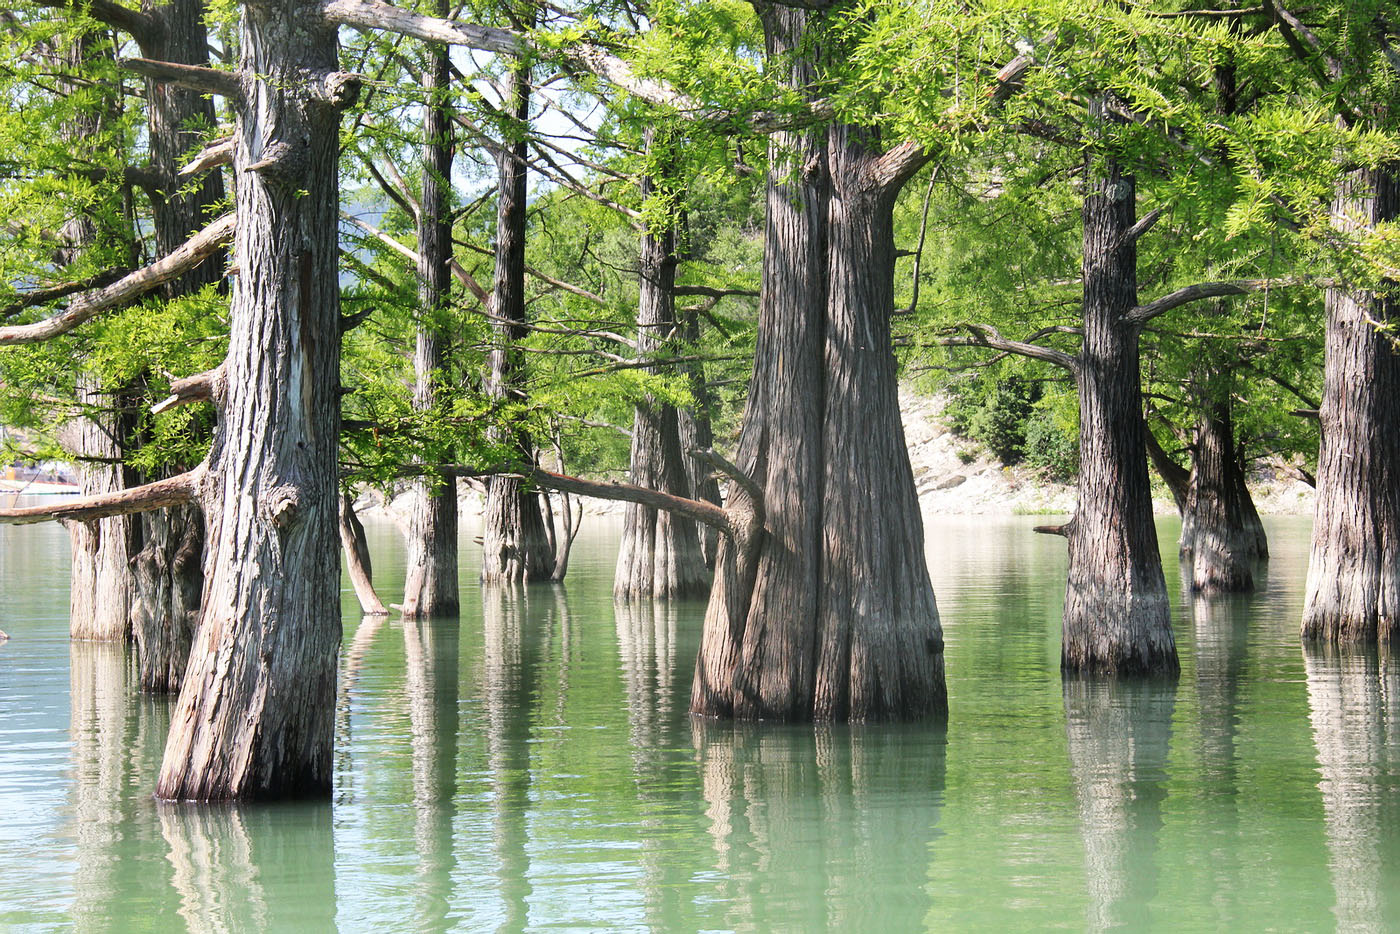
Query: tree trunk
x,y
660,554
1116,617
98,598
166,591
1178,482
515,546
697,434
255,716
830,615
357,561
431,581
166,576
1227,534
1353,590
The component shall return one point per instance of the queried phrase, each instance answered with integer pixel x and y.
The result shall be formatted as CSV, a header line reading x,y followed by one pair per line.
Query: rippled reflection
x,y
431,649
821,828
1354,696
1119,735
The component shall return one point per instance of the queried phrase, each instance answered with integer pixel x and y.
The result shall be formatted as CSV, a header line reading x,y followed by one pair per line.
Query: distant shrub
x,y
1052,444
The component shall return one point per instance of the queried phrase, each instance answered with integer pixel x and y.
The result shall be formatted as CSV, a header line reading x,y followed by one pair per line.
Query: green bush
x,y
1052,444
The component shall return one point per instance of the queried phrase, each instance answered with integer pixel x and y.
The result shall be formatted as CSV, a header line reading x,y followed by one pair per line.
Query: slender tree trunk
x,y
1116,617
660,554
431,583
357,561
98,598
1353,589
166,577
515,546
255,716
829,615
1178,482
697,434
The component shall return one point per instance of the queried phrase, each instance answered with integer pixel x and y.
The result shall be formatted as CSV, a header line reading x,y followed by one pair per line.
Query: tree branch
x,y
195,77
62,290
187,256
698,510
216,152
1194,293
984,335
201,387
142,27
172,491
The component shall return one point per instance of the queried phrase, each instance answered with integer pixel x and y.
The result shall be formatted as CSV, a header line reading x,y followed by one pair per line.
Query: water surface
x,y
532,766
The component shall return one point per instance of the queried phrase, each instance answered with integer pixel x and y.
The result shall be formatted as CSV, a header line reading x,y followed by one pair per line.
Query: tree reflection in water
x,y
1354,698
1119,733
814,827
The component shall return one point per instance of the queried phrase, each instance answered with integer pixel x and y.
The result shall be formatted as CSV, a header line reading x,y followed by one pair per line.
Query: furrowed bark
x,y
1116,616
430,587
660,553
515,546
167,581
255,714
697,433
828,615
1353,589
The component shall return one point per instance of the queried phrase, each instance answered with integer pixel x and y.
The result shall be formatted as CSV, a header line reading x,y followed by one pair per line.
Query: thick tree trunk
x,y
166,592
515,545
430,588
1227,534
1353,590
1116,617
166,577
256,713
660,554
830,615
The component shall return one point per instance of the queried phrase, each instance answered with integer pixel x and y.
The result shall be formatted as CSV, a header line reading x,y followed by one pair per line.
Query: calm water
x,y
534,767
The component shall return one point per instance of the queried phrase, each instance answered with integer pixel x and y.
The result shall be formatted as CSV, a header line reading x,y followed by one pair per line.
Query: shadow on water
x,y
1354,698
816,828
1119,734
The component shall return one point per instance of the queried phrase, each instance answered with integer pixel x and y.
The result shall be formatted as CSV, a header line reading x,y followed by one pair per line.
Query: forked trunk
x,y
1353,590
660,554
515,544
430,587
256,714
830,614
355,546
1116,617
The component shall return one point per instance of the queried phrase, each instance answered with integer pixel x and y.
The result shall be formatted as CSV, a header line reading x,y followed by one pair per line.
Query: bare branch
x,y
201,387
1052,529
1194,293
140,26
184,258
708,292
196,77
172,491
698,510
216,152
984,335
62,290
1135,232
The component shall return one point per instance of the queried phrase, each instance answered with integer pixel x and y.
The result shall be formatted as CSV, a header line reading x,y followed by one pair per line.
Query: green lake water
x,y
533,767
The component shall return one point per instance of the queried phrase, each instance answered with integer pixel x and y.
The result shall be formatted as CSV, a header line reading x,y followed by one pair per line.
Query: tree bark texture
x,y
255,714
357,561
515,545
166,588
1227,536
660,554
1353,589
829,615
1116,616
430,587
99,601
